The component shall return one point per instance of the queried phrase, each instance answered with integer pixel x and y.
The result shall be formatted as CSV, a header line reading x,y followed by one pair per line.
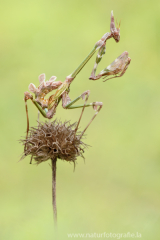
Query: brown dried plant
x,y
53,140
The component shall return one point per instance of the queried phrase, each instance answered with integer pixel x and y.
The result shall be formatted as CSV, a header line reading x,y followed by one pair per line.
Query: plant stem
x,y
53,161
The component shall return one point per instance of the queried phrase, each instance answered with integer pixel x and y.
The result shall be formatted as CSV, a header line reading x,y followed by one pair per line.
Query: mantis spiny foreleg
x,y
115,33
117,68
100,54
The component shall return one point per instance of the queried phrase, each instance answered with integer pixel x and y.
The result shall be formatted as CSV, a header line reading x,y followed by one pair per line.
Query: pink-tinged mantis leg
x,y
119,71
38,117
26,107
100,54
117,68
68,104
28,96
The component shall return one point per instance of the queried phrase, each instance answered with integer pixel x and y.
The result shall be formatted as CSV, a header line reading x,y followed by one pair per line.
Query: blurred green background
x,y
118,188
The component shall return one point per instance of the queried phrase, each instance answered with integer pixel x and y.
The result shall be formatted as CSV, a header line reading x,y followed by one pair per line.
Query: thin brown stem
x,y
27,118
53,161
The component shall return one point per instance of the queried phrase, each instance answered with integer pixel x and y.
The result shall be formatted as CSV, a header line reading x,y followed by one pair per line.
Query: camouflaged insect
x,y
47,106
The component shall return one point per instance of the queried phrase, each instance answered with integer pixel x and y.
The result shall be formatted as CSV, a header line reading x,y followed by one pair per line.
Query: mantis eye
x,y
32,88
53,78
42,78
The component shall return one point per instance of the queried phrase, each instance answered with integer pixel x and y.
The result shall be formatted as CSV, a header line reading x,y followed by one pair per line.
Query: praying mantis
x,y
47,107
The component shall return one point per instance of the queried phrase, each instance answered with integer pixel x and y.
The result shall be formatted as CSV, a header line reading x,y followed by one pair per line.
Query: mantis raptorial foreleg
x,y
117,68
115,33
68,104
100,54
99,45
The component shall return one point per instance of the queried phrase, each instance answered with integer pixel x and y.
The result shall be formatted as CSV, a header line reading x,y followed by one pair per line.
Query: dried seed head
x,y
53,140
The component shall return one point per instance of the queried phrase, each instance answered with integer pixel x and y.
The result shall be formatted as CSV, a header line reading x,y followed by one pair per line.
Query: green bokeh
x,y
118,188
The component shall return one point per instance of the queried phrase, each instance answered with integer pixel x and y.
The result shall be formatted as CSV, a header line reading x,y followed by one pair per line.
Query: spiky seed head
x,y
53,140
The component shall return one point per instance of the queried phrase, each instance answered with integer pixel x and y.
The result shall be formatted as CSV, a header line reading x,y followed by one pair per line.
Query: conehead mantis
x,y
47,107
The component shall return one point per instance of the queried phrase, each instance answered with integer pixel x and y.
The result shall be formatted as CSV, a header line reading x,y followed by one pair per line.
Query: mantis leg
x,y
117,68
100,44
68,104
28,96
123,70
38,117
100,54
26,107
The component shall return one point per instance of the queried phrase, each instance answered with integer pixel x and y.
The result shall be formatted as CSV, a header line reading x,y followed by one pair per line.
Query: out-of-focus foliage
x,y
117,189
